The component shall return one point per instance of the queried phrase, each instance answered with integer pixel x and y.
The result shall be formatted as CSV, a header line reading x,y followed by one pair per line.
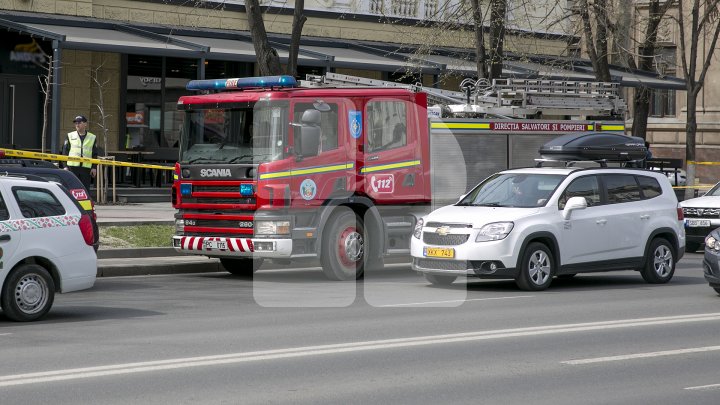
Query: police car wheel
x,y
343,246
242,267
28,293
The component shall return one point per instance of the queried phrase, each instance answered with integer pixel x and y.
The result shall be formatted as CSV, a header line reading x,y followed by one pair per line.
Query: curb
x,y
134,223
134,253
158,265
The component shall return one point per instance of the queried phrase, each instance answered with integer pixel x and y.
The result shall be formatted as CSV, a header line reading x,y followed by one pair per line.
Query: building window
x,y
662,101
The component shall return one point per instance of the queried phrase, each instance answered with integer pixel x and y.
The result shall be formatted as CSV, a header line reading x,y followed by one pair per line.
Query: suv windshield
x,y
252,134
513,190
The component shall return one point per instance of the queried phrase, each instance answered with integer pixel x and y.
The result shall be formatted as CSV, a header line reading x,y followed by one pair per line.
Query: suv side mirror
x,y
574,203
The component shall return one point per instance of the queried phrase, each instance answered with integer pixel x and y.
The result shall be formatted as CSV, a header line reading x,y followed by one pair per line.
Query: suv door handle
x,y
376,157
646,216
4,238
601,221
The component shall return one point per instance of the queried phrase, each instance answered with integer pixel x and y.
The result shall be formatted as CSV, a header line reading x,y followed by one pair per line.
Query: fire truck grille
x,y
433,238
222,189
435,264
219,223
214,200
220,234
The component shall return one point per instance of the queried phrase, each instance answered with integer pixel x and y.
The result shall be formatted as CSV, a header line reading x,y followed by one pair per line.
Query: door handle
x,y
646,216
376,157
4,238
601,221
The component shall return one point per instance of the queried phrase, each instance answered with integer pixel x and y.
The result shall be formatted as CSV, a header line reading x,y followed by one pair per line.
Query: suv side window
x,y
586,186
621,188
37,202
649,186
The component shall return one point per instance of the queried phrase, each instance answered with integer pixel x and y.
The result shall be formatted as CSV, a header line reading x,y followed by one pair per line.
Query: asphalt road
x,y
293,337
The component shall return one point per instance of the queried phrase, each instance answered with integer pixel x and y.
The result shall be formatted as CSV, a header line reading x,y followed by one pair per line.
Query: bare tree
x,y
641,110
46,81
267,57
696,28
596,24
498,12
100,84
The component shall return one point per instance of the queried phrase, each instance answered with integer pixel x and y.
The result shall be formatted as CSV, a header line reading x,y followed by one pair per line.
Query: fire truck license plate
x,y
698,222
215,244
447,253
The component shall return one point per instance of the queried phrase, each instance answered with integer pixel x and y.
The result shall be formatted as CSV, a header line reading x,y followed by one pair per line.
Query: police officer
x,y
81,143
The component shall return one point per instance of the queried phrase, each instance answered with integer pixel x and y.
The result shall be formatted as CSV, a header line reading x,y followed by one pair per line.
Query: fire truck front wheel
x,y
244,267
343,246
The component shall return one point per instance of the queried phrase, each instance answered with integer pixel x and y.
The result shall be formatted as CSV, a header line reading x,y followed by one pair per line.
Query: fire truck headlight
x,y
246,189
186,189
179,226
272,227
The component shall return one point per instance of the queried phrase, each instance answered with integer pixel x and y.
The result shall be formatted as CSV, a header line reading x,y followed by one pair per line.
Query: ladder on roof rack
x,y
520,98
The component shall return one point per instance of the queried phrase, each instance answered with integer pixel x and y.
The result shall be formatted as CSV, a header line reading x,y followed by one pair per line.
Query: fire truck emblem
x,y
308,189
355,121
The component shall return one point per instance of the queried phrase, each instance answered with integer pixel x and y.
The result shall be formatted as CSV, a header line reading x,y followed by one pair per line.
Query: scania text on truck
x,y
277,171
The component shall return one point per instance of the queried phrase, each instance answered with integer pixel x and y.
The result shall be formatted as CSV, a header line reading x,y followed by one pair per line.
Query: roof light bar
x,y
242,83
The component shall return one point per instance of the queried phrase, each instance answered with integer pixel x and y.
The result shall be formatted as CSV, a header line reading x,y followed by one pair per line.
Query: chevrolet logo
x,y
443,230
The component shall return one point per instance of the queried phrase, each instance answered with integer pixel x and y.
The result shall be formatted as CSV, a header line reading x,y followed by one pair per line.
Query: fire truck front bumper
x,y
224,246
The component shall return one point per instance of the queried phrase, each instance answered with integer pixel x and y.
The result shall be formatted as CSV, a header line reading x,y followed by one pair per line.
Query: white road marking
x,y
704,387
642,355
234,358
451,301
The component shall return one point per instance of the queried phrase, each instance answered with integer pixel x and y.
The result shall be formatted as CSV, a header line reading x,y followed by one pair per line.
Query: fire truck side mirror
x,y
309,136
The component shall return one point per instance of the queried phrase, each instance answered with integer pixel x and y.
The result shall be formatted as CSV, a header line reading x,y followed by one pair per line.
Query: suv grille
x,y
441,264
433,238
701,212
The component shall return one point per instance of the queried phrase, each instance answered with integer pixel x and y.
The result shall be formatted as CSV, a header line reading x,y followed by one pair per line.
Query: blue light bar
x,y
246,189
185,189
263,82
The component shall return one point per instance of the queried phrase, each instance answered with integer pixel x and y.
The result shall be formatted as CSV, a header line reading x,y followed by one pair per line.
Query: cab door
x,y
10,234
392,171
329,173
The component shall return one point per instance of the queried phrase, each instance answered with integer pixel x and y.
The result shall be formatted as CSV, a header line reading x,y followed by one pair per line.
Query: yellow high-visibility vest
x,y
80,149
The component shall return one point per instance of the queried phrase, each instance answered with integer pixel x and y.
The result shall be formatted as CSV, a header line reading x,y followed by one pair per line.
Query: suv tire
x,y
660,264
536,268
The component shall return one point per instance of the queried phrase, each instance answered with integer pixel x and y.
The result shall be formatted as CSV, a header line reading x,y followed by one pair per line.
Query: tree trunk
x,y
641,111
602,46
498,10
298,23
690,130
479,40
268,60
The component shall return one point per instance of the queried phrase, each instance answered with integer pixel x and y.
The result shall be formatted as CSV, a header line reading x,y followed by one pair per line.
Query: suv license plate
x,y
447,253
215,244
705,223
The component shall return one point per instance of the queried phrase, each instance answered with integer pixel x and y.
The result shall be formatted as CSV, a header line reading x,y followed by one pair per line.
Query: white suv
x,y
535,223
46,246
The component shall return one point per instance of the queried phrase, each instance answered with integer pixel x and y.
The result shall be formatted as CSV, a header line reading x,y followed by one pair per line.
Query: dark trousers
x,y
82,173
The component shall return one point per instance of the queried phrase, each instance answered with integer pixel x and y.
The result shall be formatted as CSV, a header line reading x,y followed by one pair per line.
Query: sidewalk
x,y
142,261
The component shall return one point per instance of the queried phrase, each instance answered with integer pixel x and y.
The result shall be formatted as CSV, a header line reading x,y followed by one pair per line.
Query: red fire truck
x,y
274,170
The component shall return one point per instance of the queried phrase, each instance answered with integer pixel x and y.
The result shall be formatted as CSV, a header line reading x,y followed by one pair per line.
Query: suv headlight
x,y
494,231
272,227
418,228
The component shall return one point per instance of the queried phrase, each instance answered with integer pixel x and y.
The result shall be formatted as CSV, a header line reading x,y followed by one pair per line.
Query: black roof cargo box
x,y
594,146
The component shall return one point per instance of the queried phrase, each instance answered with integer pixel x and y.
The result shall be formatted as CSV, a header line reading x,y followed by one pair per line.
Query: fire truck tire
x,y
343,246
244,267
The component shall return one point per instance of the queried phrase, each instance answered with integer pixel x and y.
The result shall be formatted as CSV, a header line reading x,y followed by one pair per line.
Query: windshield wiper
x,y
239,158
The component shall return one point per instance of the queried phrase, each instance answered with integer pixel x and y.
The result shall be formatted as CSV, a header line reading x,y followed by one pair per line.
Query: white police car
x,y
46,246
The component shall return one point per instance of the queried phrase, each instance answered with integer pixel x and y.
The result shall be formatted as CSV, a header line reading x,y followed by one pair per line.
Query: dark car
x,y
53,173
711,261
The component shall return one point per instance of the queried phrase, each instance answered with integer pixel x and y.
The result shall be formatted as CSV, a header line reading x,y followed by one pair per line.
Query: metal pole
x,y
55,109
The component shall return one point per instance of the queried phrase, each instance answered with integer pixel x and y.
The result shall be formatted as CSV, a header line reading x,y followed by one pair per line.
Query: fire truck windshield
x,y
235,135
